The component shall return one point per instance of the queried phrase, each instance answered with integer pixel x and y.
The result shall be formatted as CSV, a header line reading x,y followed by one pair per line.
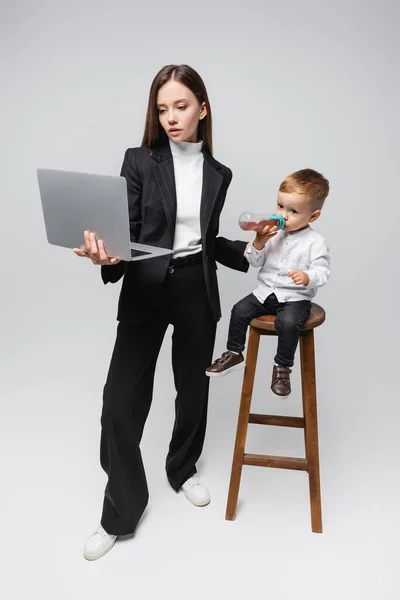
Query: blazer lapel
x,y
163,172
212,184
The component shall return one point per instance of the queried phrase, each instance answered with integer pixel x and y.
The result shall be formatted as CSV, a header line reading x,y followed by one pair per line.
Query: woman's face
x,y
179,111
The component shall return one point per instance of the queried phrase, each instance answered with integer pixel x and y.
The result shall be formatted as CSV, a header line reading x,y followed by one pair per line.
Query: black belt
x,y
184,261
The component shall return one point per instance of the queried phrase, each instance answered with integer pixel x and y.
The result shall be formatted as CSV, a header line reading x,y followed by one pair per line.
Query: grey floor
x,y
53,489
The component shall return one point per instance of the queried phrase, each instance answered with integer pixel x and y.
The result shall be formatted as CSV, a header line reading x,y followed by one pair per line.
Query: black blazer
x,y
152,214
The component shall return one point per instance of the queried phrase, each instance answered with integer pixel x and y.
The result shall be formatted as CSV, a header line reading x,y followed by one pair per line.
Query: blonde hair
x,y
309,182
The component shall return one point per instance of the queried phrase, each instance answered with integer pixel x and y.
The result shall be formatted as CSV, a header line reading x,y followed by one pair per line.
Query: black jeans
x,y
129,389
290,319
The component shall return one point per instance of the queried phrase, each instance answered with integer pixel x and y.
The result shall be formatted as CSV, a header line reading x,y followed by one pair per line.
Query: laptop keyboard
x,y
138,253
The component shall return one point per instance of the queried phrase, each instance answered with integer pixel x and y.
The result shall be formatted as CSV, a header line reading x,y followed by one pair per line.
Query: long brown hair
x,y
154,134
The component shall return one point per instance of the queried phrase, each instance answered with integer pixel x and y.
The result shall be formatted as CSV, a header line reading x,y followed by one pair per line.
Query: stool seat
x,y
267,322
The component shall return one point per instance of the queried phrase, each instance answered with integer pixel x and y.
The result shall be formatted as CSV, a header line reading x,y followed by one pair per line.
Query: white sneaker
x,y
98,544
196,492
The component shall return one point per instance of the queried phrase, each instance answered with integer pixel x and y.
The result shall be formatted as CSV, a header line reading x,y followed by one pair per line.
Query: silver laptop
x,y
75,202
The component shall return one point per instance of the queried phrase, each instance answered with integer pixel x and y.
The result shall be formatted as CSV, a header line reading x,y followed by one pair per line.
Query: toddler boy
x,y
294,263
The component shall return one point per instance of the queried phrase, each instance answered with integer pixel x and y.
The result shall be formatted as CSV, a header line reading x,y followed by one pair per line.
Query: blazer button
x,y
171,270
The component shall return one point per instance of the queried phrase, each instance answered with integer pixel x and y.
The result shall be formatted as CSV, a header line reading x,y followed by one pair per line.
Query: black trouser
x,y
290,319
128,394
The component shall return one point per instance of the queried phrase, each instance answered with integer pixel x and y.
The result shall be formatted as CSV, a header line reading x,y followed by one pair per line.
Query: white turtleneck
x,y
188,168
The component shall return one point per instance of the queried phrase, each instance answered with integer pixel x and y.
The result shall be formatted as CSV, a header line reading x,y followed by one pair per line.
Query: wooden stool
x,y
266,326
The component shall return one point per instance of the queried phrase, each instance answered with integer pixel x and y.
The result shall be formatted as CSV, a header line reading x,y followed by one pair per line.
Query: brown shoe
x,y
280,384
228,362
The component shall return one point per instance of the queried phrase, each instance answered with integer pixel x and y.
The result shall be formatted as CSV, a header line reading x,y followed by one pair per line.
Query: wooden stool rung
x,y
276,420
276,462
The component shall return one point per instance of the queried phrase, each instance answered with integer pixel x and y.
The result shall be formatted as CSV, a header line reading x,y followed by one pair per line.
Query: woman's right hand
x,y
94,249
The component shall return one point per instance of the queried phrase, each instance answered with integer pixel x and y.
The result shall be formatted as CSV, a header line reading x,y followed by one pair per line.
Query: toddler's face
x,y
296,210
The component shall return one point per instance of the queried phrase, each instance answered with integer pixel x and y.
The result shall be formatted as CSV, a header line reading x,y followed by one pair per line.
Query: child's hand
x,y
264,235
299,277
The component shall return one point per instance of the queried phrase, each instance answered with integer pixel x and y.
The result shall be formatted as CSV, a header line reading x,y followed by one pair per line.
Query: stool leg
x,y
243,421
311,426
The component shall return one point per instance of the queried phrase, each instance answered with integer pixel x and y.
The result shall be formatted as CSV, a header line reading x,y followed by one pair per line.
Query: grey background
x,y
292,85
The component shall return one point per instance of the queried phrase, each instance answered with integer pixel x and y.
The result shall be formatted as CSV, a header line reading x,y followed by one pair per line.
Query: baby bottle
x,y
252,222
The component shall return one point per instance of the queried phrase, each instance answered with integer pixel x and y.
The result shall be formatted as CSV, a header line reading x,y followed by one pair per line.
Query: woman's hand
x,y
263,236
95,251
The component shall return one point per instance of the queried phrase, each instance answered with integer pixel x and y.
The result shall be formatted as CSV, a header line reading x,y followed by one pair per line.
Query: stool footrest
x,y
276,420
276,462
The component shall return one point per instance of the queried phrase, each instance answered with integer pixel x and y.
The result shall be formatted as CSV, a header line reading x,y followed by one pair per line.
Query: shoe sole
x,y
100,554
278,395
222,373
203,503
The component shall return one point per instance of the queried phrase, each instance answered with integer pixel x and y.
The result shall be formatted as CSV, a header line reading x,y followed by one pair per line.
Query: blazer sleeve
x,y
129,170
228,252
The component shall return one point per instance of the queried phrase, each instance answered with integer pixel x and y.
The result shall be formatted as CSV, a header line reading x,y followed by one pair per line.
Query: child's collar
x,y
298,231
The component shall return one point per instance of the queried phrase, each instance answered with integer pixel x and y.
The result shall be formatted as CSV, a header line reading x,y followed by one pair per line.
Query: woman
x,y
176,192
